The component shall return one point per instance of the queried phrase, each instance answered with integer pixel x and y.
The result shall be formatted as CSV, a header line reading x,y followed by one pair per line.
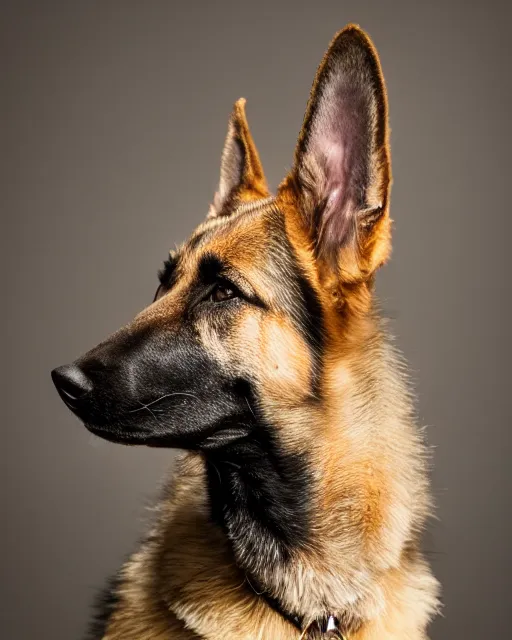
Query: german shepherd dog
x,y
298,507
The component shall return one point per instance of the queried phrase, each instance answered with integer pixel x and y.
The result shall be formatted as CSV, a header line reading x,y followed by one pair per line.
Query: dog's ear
x,y
340,180
241,174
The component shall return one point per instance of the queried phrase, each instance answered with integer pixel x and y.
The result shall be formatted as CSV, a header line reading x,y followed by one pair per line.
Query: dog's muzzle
x,y
158,388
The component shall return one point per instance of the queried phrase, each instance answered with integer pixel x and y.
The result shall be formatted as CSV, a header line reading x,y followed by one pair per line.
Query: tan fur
x,y
370,489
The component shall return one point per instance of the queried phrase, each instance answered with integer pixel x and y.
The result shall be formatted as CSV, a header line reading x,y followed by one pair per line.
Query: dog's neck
x,y
303,525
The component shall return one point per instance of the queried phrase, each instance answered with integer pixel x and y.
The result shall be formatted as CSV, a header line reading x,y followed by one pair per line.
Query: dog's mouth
x,y
182,419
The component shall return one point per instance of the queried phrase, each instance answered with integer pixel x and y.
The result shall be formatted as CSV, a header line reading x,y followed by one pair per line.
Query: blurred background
x,y
113,119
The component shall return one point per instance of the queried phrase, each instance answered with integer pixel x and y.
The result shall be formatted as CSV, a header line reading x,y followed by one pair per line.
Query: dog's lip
x,y
117,435
215,440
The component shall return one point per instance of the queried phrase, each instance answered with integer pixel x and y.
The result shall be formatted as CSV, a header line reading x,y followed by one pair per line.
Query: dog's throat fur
x,y
260,496
256,489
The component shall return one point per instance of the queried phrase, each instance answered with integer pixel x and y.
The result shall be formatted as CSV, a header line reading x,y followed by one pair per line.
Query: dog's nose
x,y
72,384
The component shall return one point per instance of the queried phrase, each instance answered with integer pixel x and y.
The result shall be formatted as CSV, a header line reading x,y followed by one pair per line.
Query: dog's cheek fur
x,y
265,349
282,363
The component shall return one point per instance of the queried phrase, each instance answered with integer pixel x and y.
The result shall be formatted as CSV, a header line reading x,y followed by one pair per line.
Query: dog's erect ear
x,y
340,180
241,173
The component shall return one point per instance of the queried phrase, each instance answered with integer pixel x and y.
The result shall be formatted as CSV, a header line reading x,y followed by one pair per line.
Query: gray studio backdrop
x,y
113,118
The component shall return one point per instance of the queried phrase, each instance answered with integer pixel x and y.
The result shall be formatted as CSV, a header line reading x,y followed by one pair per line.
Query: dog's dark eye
x,y
223,292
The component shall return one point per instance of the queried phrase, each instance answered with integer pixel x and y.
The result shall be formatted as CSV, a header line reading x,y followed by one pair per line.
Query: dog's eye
x,y
223,292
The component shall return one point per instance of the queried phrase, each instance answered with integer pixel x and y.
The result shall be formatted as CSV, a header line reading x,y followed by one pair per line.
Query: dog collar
x,y
326,625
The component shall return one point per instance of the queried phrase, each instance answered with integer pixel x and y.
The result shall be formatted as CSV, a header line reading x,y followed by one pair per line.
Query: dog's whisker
x,y
155,418
218,472
167,395
248,404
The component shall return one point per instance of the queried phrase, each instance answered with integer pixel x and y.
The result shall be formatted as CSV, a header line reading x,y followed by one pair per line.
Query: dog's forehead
x,y
242,238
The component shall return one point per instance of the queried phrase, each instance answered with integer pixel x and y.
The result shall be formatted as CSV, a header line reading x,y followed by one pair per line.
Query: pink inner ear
x,y
338,151
337,159
335,152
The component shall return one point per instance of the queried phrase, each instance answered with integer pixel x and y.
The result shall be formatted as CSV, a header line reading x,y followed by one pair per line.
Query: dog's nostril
x,y
71,383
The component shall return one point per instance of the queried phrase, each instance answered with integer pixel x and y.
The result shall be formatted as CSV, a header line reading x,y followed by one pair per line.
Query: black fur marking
x,y
312,326
105,605
260,494
210,267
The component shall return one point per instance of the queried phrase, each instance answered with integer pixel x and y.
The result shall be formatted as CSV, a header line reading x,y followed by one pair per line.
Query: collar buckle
x,y
326,627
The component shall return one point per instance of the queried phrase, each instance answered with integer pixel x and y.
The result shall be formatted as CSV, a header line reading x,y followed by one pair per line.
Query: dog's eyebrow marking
x,y
210,267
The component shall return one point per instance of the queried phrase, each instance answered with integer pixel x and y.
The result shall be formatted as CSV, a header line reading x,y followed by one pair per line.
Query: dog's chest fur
x,y
184,582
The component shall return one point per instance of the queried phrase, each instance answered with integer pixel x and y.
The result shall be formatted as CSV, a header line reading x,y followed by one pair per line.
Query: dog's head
x,y
251,308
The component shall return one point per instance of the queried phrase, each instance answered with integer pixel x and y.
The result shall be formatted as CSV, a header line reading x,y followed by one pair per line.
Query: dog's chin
x,y
119,435
209,440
